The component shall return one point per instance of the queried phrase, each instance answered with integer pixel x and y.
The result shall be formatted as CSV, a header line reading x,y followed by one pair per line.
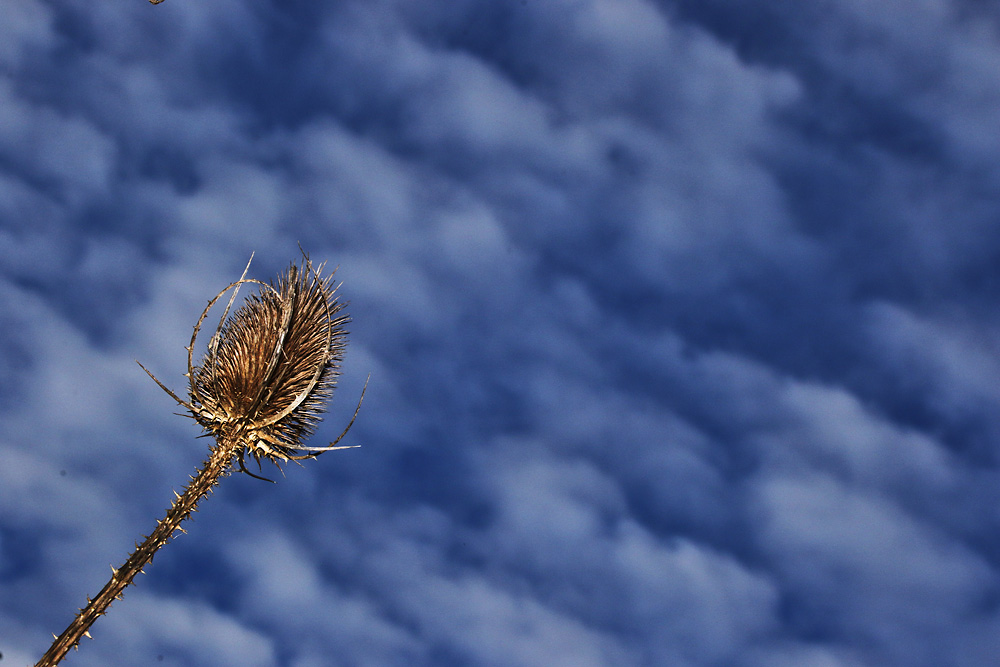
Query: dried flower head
x,y
271,367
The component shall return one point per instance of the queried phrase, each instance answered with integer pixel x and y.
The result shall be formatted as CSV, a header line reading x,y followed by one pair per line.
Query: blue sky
x,y
681,319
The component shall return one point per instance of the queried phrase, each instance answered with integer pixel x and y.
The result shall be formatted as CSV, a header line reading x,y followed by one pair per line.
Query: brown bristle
x,y
271,367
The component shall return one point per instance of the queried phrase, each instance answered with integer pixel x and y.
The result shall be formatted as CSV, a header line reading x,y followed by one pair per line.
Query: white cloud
x,y
28,25
53,147
953,361
859,563
147,626
567,522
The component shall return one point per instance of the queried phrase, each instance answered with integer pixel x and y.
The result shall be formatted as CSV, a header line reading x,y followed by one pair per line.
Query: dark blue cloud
x,y
679,315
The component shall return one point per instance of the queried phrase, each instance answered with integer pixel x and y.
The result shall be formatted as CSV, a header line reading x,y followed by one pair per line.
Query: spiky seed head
x,y
271,367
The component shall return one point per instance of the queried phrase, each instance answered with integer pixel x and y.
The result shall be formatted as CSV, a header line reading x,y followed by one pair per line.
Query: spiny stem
x,y
260,389
214,468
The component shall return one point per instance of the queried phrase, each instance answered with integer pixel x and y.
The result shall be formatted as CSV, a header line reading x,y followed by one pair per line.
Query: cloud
x,y
150,629
855,558
679,318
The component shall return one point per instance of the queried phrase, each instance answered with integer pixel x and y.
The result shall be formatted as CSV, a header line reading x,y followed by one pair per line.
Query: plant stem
x,y
214,468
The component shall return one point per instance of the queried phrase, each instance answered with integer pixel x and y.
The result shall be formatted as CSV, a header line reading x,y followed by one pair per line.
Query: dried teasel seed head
x,y
271,367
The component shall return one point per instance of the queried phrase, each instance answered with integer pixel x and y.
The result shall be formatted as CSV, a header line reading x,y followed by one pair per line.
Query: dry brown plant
x,y
259,391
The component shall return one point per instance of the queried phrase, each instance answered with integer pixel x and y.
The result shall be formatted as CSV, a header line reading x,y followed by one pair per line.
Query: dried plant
x,y
259,391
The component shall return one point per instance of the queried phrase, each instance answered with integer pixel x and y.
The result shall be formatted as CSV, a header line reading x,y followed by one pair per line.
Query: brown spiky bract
x,y
247,381
260,389
270,369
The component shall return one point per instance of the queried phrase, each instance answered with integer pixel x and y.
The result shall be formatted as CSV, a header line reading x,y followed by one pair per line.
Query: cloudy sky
x,y
682,319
